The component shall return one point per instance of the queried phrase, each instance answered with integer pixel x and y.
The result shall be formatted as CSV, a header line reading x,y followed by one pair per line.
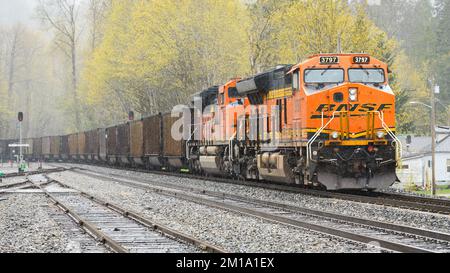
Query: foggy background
x,y
114,63
18,11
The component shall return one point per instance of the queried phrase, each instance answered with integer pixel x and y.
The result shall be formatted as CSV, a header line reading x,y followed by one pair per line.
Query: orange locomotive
x,y
328,121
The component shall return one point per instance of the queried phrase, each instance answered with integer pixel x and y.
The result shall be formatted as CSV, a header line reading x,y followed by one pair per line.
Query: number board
x,y
361,60
329,60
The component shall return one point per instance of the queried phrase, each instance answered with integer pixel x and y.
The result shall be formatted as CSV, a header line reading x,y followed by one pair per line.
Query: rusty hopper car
x,y
73,147
46,147
88,155
37,148
92,145
3,150
123,143
64,152
81,145
12,151
152,130
9,152
111,140
137,142
102,145
174,151
28,151
55,147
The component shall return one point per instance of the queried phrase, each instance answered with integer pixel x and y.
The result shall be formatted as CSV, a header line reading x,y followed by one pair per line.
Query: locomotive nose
x,y
356,111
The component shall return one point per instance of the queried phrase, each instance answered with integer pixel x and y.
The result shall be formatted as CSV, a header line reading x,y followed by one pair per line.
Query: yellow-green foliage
x,y
155,54
310,27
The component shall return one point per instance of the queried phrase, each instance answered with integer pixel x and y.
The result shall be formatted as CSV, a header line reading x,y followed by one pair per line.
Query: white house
x,y
417,159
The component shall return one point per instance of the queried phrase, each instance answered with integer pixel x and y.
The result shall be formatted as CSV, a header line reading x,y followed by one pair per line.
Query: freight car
x,y
123,144
137,143
28,151
173,150
102,142
92,145
327,122
37,149
4,154
45,148
55,148
81,146
73,147
111,145
153,141
65,150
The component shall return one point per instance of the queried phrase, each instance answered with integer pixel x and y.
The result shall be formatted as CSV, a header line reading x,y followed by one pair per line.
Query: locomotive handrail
x,y
235,135
231,146
399,146
399,153
316,135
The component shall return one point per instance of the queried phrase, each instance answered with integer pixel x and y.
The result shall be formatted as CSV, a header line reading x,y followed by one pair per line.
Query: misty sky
x,y
17,11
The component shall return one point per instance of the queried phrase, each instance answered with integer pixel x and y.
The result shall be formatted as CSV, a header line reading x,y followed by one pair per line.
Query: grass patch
x,y
440,190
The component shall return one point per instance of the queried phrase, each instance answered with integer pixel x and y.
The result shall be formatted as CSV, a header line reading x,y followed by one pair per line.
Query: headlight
x,y
380,134
335,135
353,94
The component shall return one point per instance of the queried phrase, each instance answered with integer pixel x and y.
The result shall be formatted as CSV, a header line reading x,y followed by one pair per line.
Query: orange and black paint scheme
x,y
335,125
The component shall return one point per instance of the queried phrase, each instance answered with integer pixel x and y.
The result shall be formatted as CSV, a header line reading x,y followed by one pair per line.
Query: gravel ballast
x,y
231,231
29,224
393,215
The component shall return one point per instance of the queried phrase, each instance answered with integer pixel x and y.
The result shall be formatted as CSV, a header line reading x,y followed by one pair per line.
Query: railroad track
x,y
390,237
121,230
433,205
26,184
14,185
42,171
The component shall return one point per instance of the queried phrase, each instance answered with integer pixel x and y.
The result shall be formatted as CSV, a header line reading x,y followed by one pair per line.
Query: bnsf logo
x,y
354,108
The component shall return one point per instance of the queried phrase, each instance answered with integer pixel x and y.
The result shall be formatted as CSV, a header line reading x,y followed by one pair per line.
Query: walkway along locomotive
x,y
326,122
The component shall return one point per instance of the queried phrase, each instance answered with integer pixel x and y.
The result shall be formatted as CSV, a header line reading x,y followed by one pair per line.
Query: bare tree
x,y
14,48
96,16
62,16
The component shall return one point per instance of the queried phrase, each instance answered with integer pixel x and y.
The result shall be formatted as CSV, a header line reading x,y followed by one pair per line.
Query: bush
x,y
411,187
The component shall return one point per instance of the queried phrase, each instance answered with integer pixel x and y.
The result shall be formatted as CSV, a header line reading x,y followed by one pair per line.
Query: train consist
x,y
327,122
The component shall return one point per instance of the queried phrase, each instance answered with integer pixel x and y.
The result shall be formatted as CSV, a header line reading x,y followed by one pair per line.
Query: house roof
x,y
422,145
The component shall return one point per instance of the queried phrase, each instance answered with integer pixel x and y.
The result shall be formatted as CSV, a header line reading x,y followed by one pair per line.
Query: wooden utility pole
x,y
433,141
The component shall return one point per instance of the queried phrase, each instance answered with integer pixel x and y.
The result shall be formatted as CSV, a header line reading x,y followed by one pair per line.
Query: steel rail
x,y
385,244
89,227
382,225
14,185
418,199
167,232
425,204
419,204
44,171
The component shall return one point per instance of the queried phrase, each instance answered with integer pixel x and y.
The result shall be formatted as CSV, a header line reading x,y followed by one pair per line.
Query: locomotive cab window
x,y
367,75
295,81
233,93
324,76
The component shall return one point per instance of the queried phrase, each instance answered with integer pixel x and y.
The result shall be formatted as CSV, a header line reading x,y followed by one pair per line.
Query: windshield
x,y
324,76
372,75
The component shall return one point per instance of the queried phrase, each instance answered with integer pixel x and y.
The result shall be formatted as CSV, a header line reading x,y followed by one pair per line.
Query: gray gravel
x,y
29,224
12,180
32,166
417,219
231,231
